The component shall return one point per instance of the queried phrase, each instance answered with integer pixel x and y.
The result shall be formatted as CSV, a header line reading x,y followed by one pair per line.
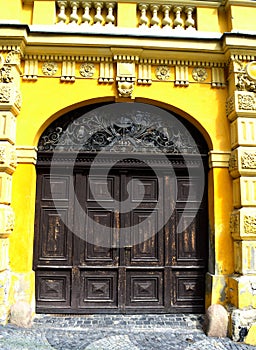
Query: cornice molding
x,y
242,3
203,3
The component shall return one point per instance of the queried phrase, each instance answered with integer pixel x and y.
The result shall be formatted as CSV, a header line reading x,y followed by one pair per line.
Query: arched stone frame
x,y
216,160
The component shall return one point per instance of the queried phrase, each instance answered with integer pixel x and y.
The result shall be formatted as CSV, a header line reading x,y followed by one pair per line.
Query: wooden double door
x,y
110,244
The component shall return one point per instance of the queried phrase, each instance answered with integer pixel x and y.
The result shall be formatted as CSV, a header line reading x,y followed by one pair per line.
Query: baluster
x,y
166,22
143,18
73,16
190,23
154,20
98,19
178,22
86,18
110,18
62,15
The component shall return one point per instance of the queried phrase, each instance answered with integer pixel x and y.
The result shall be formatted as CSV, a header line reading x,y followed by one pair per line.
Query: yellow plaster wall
x,y
21,240
48,97
243,17
44,12
207,19
127,15
12,12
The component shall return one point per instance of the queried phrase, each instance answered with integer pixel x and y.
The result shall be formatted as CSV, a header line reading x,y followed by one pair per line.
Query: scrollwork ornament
x,y
163,72
87,70
199,74
49,68
248,160
250,224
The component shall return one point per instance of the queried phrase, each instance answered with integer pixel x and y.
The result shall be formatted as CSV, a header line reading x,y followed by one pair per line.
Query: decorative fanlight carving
x,y
138,131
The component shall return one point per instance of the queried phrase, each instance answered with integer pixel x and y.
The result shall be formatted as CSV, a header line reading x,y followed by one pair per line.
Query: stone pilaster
x,y
10,102
241,111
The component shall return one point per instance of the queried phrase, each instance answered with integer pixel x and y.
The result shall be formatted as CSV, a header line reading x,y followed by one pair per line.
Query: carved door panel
x,y
116,245
53,247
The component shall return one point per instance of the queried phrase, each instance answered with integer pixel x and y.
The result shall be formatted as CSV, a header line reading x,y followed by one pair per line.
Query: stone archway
x,y
121,213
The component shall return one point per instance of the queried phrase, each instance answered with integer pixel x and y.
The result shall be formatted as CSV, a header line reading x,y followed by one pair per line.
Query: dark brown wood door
x,y
112,245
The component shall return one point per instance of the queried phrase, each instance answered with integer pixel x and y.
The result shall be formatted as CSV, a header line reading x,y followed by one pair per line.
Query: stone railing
x,y
166,16
102,13
86,13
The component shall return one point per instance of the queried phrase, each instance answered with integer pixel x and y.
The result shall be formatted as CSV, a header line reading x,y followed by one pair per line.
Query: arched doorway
x,y
121,212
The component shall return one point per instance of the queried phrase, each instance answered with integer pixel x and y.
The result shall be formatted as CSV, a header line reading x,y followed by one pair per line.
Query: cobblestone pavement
x,y
115,332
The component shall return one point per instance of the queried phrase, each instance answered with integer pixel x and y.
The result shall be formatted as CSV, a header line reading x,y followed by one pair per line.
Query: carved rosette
x,y
87,70
49,68
162,72
199,74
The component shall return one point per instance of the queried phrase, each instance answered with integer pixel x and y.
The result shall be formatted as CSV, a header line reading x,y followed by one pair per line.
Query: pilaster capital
x,y
219,159
26,154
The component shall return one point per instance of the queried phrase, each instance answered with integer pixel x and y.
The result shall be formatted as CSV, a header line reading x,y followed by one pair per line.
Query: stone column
x,y
10,102
241,111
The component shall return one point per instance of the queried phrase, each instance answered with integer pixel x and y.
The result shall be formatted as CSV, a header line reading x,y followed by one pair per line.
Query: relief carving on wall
x,y
245,76
125,88
246,102
87,70
199,74
248,160
49,68
234,223
163,72
5,93
250,224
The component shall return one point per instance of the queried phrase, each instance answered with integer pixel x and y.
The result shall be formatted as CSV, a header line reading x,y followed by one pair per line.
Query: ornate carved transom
x,y
118,130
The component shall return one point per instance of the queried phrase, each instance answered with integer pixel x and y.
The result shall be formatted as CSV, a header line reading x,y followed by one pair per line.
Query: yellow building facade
x,y
196,59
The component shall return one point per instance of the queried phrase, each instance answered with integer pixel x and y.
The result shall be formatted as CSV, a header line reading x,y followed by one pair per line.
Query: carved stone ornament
x,y
125,88
5,93
230,105
49,68
250,224
250,69
119,129
87,70
246,102
18,99
248,160
5,74
163,72
2,154
199,74
234,223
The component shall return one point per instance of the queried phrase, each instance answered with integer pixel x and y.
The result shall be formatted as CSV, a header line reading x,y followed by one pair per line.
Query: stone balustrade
x,y
166,16
86,13
102,13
